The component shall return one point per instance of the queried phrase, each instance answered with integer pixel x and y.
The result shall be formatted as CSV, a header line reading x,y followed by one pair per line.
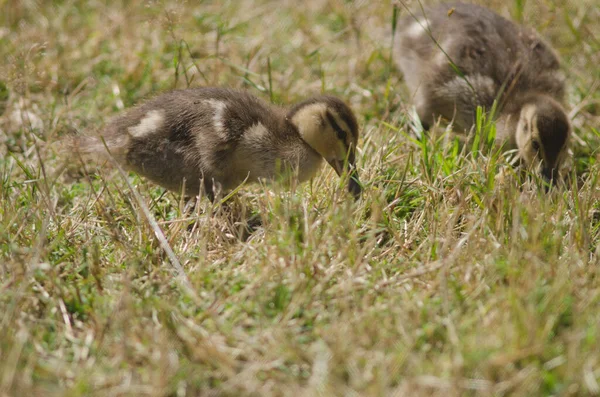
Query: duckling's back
x,y
189,135
493,54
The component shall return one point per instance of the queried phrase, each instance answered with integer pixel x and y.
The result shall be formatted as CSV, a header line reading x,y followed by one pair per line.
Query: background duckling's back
x,y
440,44
451,276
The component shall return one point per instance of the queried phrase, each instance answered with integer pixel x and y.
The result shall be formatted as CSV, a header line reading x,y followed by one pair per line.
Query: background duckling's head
x,y
542,134
329,126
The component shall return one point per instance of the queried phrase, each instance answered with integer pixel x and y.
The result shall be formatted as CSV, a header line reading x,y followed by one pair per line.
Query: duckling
x,y
214,139
456,57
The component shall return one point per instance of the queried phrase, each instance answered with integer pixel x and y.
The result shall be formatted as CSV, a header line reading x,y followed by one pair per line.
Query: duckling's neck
x,y
308,162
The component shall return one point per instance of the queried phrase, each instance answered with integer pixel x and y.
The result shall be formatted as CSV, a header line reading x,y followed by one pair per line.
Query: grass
x,y
453,275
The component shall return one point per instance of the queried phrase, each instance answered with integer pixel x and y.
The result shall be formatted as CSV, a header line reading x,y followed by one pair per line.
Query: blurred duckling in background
x,y
214,139
456,57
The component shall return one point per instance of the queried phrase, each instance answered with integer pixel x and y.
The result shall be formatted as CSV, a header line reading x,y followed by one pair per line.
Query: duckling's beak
x,y
353,181
354,184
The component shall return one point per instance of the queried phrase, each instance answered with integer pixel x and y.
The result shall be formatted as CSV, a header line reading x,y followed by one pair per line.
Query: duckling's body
x,y
213,139
499,60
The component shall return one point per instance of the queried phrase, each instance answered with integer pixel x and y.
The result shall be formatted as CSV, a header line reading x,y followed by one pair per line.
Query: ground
x,y
453,275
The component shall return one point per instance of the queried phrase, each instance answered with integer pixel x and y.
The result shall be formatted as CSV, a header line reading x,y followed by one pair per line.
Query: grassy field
x,y
452,276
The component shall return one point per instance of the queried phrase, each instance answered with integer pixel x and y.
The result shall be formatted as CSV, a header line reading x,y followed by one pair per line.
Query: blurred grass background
x,y
446,279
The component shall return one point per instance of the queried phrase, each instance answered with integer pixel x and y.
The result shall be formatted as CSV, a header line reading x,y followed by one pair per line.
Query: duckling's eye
x,y
341,134
535,145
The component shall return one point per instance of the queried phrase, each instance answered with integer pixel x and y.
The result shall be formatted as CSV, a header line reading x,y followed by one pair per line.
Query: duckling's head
x,y
542,134
329,126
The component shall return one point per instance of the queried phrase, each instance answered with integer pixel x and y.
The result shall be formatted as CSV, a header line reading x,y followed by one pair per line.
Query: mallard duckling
x,y
213,139
460,56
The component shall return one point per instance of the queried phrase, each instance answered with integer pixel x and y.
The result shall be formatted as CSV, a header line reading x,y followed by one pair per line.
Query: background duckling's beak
x,y
353,181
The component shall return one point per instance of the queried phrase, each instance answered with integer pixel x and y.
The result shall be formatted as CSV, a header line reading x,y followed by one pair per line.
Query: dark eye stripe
x,y
341,134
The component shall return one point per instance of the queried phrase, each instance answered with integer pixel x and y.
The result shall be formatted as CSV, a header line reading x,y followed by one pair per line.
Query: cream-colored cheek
x,y
523,145
307,120
322,145
341,150
520,135
325,143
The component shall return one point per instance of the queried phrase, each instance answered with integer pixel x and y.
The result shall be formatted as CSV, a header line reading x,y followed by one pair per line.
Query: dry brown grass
x,y
443,280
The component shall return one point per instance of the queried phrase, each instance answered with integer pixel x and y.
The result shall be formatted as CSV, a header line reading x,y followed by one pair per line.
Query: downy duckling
x,y
213,139
456,57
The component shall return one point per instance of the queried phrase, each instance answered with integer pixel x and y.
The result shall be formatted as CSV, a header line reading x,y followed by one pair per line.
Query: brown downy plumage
x,y
212,139
496,60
